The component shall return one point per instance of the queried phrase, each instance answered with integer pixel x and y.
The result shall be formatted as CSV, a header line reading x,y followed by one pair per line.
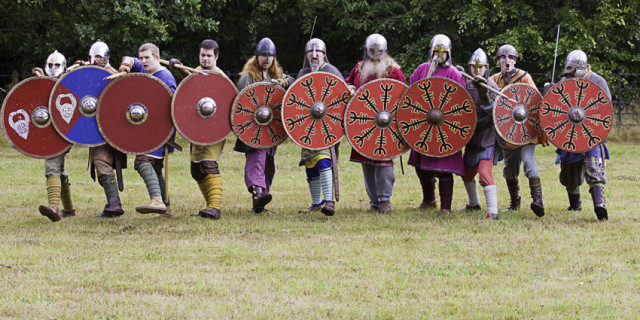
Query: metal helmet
x,y
56,64
441,43
266,47
315,45
98,48
507,50
576,64
379,45
478,59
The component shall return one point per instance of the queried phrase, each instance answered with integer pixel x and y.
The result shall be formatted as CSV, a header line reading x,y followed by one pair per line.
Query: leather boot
x,y
49,212
329,208
260,199
385,207
211,213
112,209
597,193
536,194
574,202
312,208
156,205
514,194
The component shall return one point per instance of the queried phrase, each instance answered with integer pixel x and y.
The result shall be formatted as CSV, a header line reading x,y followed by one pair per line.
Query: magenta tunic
x,y
452,163
354,79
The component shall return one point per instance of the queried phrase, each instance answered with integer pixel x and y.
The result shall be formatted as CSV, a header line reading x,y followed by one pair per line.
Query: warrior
x,y
379,176
260,165
318,163
204,159
57,183
482,152
589,166
428,168
149,166
507,56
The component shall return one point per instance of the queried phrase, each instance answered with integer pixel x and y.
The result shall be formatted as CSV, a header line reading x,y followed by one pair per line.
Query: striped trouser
x,y
591,169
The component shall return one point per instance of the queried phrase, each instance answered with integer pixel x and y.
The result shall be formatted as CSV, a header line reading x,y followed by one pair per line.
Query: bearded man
x,y
379,176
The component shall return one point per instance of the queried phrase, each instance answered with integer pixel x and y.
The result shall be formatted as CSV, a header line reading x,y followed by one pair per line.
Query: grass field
x,y
409,264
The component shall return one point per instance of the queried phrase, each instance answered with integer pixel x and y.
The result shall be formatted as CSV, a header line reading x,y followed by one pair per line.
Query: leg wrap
x,y
163,191
108,183
445,186
150,178
315,189
53,191
472,193
326,181
65,193
211,188
491,195
428,184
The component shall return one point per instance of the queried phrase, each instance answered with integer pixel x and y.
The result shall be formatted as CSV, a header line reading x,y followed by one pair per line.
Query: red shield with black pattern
x,y
134,113
201,107
436,117
576,115
313,110
26,121
370,120
518,122
255,115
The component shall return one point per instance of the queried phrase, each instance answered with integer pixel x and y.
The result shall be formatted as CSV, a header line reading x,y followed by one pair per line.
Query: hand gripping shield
x,y
576,115
436,117
370,120
518,122
73,105
26,121
201,107
313,110
134,113
255,115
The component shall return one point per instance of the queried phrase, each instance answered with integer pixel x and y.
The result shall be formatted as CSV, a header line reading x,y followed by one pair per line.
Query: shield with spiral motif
x,y
370,120
436,117
576,115
313,110
255,115
518,122
26,121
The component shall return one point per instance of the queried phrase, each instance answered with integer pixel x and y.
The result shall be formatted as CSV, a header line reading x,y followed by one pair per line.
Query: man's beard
x,y
315,65
370,68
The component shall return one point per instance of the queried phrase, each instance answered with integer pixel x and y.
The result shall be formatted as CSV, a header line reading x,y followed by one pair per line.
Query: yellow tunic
x,y
517,77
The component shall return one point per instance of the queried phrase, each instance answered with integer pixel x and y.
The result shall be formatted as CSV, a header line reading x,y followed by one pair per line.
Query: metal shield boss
x,y
73,105
518,122
436,117
370,120
576,115
255,115
201,107
313,110
134,113
26,121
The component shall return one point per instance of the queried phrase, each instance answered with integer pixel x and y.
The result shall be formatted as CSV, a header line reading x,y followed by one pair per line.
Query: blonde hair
x,y
150,47
253,69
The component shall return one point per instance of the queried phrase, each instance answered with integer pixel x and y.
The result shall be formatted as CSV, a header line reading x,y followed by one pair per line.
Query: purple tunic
x,y
452,163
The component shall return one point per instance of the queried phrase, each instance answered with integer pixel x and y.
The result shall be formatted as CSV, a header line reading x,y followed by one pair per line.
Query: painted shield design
x,y
518,122
576,115
255,115
201,107
370,120
26,121
134,113
436,117
313,110
73,105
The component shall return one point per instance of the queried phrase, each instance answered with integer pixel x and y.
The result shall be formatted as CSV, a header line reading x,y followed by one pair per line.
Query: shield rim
x,y
51,99
475,117
238,95
282,110
173,99
346,110
493,114
4,130
106,89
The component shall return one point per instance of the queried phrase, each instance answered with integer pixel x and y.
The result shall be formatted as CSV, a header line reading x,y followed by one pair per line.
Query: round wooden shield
x,y
134,113
73,105
255,115
436,117
576,115
26,121
370,120
518,122
201,107
313,110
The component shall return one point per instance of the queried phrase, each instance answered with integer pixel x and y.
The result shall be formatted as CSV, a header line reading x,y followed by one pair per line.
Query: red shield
x,y
255,115
26,120
73,104
436,117
134,113
576,115
518,122
313,110
370,120
201,107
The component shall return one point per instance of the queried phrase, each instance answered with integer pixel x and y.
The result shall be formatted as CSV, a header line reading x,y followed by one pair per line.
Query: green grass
x,y
409,264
